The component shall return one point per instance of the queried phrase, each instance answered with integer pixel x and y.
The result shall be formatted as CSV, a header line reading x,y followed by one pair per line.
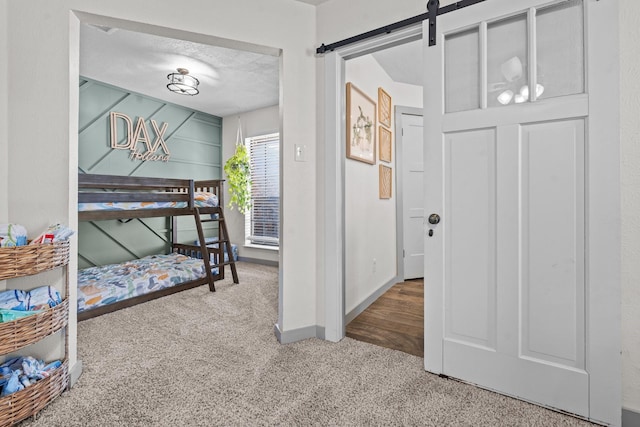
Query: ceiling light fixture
x,y
182,83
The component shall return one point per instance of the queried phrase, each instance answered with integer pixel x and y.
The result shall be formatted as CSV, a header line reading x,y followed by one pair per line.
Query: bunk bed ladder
x,y
224,244
205,252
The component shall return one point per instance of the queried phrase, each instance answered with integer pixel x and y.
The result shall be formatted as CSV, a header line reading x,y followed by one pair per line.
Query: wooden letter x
x,y
159,136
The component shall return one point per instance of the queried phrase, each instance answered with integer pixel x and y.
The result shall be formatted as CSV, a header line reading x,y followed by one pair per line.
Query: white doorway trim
x,y
399,111
334,155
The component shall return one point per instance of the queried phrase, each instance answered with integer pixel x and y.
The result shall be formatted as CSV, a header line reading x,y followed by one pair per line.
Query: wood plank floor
x,y
395,320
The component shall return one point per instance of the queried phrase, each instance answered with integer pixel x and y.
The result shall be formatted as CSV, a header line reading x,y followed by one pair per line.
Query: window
x,y
262,225
534,55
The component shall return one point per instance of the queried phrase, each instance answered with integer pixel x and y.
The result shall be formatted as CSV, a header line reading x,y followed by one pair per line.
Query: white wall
x,y
371,221
42,61
253,123
630,177
340,19
4,131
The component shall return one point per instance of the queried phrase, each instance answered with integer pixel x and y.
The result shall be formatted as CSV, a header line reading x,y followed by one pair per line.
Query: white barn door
x,y
506,143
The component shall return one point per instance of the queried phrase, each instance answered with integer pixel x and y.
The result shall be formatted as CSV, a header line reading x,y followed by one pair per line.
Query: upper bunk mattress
x,y
201,199
98,286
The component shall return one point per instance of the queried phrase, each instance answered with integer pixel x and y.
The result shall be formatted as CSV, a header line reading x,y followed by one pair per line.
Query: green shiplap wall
x,y
194,140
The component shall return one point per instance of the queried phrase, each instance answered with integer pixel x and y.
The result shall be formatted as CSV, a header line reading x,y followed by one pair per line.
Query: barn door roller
x,y
433,10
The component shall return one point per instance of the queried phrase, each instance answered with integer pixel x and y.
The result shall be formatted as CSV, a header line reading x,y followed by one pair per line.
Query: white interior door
x,y
412,170
506,128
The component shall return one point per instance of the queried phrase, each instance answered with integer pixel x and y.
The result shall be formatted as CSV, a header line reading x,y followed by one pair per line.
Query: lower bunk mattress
x,y
107,284
201,200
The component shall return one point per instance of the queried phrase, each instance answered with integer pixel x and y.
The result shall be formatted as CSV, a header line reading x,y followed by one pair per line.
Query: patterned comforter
x,y
98,286
201,199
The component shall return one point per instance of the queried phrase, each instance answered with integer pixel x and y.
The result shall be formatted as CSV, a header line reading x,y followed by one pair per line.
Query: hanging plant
x,y
238,170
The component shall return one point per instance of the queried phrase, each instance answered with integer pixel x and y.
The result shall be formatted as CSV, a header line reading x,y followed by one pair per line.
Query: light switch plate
x,y
300,153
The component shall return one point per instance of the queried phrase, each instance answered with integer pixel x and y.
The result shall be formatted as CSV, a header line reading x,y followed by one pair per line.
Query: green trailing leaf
x,y
238,170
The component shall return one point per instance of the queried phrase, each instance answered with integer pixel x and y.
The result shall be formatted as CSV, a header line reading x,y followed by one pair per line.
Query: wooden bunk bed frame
x,y
93,188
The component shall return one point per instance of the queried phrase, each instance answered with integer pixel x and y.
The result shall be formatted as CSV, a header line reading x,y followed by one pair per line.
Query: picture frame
x,y
384,108
361,126
385,181
384,144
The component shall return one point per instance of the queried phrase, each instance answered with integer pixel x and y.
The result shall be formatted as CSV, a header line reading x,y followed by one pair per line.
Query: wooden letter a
x,y
141,128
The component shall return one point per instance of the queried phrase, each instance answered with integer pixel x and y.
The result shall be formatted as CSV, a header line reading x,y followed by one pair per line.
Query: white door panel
x,y
470,212
514,307
552,242
542,383
412,170
505,268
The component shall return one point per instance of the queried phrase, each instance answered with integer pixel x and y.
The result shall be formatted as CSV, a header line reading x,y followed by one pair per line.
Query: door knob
x,y
434,218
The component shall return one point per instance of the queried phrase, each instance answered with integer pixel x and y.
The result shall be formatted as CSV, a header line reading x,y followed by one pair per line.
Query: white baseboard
x,y
289,337
317,331
630,418
74,373
258,261
370,300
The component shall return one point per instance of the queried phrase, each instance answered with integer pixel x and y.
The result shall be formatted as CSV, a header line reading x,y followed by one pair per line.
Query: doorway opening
x,y
123,61
334,230
380,307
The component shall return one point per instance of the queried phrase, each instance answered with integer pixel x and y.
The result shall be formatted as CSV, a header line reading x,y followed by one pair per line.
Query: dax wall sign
x,y
148,150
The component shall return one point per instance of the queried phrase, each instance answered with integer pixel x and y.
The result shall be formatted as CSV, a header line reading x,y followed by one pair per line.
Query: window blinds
x,y
264,152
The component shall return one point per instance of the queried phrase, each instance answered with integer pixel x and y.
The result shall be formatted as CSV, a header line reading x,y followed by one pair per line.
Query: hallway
x,y
395,320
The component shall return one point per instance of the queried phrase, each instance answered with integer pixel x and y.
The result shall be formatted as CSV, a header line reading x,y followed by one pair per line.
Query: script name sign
x,y
152,151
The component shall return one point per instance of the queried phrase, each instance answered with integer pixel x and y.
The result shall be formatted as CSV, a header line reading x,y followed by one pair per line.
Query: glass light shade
x,y
524,91
520,99
505,97
182,83
512,69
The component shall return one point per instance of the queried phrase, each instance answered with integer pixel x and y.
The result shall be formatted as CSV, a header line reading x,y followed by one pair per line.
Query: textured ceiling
x,y
231,81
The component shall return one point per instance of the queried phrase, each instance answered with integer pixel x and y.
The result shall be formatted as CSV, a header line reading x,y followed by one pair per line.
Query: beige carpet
x,y
211,359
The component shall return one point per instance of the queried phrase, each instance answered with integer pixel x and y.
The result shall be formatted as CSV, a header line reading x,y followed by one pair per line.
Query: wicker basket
x,y
32,259
28,402
28,330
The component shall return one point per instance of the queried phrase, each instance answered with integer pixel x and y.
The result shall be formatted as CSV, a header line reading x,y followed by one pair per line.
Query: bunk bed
x,y
104,197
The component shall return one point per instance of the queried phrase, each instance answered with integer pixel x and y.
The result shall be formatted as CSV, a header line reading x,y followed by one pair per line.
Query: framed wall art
x,y
384,144
385,182
361,126
384,108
